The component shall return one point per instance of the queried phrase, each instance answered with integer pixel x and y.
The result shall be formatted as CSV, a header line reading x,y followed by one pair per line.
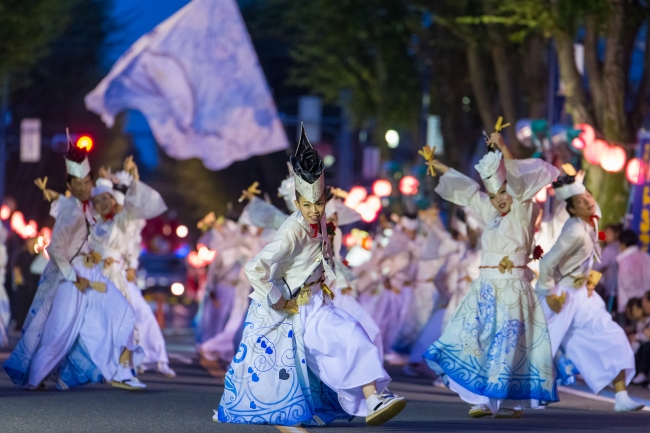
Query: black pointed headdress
x,y
308,169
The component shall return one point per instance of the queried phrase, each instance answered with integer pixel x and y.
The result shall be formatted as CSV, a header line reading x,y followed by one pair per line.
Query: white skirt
x,y
274,377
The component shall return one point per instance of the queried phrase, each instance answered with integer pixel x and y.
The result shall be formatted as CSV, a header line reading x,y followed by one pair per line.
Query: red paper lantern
x,y
634,171
408,185
356,195
594,151
613,159
588,135
374,203
382,188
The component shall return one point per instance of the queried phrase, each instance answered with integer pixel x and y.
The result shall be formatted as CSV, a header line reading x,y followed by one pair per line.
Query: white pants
x,y
103,321
150,337
596,345
339,351
222,345
351,306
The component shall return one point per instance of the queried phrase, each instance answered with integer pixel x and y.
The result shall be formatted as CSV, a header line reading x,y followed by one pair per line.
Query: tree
x,y
26,29
52,88
602,100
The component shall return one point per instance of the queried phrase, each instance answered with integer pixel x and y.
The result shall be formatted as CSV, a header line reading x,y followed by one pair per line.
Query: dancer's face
x,y
311,211
583,205
104,203
501,200
81,188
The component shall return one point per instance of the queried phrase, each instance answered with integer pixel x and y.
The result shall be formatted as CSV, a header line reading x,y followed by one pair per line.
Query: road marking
x,y
291,429
181,358
593,396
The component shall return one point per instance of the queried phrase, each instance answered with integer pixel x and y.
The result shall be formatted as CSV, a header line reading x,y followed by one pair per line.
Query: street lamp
x,y
392,138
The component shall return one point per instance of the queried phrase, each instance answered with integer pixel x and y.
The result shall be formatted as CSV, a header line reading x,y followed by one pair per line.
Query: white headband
x,y
492,170
408,223
565,191
310,191
101,186
76,169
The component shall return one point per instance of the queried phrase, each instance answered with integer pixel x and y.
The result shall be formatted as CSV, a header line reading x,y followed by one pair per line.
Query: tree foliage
x,y
26,29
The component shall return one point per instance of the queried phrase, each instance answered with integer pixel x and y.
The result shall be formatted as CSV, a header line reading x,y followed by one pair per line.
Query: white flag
x,y
197,80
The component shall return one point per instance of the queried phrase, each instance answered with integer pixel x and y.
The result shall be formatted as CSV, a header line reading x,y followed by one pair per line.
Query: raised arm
x,y
526,177
143,202
463,191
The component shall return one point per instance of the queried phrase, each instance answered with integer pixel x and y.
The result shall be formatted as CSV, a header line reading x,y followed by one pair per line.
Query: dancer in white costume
x,y
389,303
79,326
495,351
117,237
5,311
440,253
301,359
577,318
263,214
222,276
222,345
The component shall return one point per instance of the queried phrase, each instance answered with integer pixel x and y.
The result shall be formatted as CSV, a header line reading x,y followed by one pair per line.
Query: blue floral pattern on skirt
x,y
497,344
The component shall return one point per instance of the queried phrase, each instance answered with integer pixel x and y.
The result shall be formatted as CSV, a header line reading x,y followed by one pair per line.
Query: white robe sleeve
x,y
463,191
67,224
258,270
526,177
568,241
265,215
143,202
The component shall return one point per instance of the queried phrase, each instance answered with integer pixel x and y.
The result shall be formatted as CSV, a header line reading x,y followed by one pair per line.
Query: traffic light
x,y
82,141
85,142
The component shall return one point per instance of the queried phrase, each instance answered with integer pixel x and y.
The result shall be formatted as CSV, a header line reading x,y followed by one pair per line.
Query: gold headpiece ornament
x,y
251,190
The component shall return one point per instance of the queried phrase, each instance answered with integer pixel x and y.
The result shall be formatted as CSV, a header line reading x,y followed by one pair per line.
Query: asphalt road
x,y
185,404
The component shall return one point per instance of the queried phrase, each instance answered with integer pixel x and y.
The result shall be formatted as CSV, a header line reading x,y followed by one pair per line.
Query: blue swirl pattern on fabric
x,y
77,368
17,365
497,344
268,381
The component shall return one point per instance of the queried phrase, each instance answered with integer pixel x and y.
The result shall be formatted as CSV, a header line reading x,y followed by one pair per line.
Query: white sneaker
x,y
215,417
439,383
384,407
625,404
639,379
132,384
165,370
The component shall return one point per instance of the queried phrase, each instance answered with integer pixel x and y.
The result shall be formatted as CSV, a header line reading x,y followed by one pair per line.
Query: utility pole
x,y
4,111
